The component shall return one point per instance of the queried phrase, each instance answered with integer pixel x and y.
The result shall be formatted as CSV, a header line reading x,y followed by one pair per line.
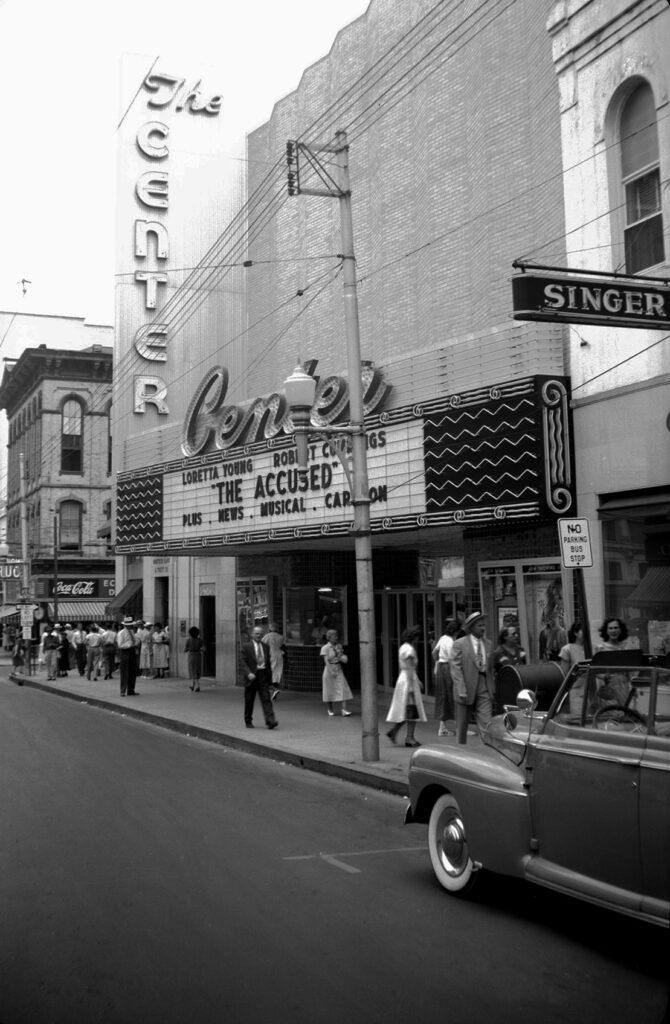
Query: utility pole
x,y
25,602
55,574
357,473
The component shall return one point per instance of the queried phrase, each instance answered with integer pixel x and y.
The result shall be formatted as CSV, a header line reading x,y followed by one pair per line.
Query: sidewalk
x,y
306,737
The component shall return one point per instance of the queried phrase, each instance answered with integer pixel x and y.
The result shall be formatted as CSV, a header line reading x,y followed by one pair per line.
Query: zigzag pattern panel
x,y
139,510
483,454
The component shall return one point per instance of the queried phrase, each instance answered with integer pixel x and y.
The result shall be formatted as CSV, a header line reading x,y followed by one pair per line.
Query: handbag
x,y
411,711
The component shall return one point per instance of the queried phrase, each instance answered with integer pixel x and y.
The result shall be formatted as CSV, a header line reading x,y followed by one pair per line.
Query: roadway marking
x,y
334,858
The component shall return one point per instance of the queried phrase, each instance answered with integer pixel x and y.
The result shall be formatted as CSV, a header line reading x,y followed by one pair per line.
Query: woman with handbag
x,y
407,705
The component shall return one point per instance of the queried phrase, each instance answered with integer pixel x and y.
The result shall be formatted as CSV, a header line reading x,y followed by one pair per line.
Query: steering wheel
x,y
630,713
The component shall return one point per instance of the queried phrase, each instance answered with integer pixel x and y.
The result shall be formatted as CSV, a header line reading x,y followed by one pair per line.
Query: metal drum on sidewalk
x,y
544,679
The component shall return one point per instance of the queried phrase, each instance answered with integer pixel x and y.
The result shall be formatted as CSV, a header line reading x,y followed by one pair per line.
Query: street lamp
x,y
351,451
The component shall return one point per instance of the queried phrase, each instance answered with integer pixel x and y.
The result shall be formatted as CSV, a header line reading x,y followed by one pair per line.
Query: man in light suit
x,y
256,674
471,664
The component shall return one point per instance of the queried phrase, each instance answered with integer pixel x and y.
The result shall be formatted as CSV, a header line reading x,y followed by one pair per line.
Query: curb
x,y
333,769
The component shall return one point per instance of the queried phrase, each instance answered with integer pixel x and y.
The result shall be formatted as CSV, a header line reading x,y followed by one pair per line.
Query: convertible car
x,y
575,797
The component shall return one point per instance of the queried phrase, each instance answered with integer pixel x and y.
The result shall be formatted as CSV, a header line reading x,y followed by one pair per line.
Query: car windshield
x,y
601,696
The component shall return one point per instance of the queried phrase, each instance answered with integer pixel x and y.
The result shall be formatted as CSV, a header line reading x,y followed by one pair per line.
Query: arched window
x,y
69,534
641,179
71,456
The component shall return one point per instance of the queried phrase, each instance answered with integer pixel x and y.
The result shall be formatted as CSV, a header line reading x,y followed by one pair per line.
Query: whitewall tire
x,y
448,845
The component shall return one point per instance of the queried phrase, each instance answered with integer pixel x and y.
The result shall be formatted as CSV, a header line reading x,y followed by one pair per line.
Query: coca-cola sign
x,y
84,589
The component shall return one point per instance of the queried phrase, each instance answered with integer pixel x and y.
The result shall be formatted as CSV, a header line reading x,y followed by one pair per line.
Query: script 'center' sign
x,y
563,298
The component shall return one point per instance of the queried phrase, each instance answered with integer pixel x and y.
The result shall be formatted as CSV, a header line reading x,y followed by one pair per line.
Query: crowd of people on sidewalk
x,y
466,666
96,650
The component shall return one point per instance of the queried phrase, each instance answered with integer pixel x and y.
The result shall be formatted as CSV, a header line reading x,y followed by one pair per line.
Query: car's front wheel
x,y
448,847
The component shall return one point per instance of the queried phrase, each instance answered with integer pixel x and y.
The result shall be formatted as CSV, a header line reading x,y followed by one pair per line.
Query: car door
x,y
584,785
655,801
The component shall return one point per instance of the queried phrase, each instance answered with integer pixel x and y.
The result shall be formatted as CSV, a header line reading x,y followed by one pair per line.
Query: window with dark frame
x,y
69,516
71,460
641,179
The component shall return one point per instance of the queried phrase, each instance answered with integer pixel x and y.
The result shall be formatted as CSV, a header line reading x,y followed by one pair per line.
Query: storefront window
x,y
637,580
530,596
311,611
252,606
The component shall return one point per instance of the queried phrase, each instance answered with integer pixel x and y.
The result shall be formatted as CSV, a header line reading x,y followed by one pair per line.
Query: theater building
x,y
469,435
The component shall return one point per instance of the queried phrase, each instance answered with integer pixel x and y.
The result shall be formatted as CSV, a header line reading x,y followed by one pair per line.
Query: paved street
x,y
151,877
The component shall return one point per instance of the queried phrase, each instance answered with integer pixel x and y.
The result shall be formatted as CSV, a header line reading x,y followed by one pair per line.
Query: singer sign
x,y
614,302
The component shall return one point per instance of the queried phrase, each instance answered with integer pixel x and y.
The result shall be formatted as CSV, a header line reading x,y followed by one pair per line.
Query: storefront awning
x,y
79,611
8,610
124,597
635,505
653,588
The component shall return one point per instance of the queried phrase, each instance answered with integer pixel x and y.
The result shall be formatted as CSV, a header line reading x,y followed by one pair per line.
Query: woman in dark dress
x,y
63,652
194,648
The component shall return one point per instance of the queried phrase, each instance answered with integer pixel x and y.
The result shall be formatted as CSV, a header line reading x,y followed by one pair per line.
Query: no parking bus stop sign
x,y
575,541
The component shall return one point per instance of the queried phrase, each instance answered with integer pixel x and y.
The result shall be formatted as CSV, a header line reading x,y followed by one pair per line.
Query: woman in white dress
x,y
159,640
407,705
335,687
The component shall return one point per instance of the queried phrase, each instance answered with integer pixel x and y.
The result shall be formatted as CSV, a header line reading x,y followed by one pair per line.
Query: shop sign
x,y
615,302
86,589
11,569
165,97
210,424
575,540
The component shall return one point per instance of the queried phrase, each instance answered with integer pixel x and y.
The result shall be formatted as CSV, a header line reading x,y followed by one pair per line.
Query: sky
x,y
59,108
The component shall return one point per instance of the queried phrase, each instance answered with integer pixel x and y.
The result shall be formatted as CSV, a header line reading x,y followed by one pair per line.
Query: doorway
x,y
208,633
395,610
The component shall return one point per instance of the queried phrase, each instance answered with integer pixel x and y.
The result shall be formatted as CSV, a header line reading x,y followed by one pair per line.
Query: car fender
x,y
492,796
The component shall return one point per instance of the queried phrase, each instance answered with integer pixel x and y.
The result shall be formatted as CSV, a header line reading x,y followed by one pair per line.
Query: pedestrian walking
x,y
63,651
18,654
615,688
144,638
508,652
194,648
444,699
255,677
50,648
108,645
127,657
472,676
78,641
407,704
334,686
275,642
93,652
572,654
159,639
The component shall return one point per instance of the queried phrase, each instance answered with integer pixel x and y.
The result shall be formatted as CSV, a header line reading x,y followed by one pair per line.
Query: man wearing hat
x,y
472,676
125,643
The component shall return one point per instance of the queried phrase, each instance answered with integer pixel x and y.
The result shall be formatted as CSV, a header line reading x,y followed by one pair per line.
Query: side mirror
x,y
526,701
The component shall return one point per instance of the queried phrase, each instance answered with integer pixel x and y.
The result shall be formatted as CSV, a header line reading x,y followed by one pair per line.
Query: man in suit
x,y
126,643
256,674
472,675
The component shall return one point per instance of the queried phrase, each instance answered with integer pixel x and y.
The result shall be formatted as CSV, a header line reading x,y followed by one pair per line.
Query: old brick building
x,y
57,402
